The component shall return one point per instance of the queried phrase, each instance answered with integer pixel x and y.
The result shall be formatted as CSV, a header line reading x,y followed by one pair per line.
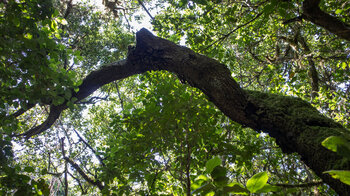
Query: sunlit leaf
x,y
257,182
235,188
343,176
334,142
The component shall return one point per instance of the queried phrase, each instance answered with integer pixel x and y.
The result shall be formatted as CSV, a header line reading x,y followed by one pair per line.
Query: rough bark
x,y
295,124
313,13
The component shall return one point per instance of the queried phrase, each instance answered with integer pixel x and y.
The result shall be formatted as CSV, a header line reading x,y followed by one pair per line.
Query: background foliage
x,y
150,134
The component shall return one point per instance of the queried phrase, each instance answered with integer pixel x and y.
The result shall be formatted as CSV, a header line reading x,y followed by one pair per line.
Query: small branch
x,y
312,72
126,18
68,10
65,179
82,173
83,192
65,168
54,174
237,28
188,165
144,7
89,146
93,100
21,111
120,98
296,19
310,184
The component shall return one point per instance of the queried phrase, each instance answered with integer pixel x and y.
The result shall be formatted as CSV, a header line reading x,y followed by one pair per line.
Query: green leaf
x,y
342,175
74,99
202,177
57,35
338,11
269,8
67,94
218,171
212,163
221,181
62,20
43,171
70,105
269,188
16,21
58,101
206,188
53,25
29,169
28,36
140,135
257,182
235,188
334,142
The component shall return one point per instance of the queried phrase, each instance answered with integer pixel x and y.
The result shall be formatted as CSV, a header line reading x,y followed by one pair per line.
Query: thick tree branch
x,y
313,13
295,124
96,79
21,111
55,112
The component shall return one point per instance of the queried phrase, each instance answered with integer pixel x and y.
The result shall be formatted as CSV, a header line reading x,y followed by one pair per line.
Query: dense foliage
x,y
153,134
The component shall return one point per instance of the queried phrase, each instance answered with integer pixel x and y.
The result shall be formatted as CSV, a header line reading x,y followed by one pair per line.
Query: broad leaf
x,y
206,188
269,188
236,188
257,182
212,163
343,176
337,144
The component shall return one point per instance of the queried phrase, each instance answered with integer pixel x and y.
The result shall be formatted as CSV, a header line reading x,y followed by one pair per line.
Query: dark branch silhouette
x,y
313,13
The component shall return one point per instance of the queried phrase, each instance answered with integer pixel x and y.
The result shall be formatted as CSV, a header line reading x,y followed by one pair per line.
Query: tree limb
x,y
313,13
95,80
54,114
21,111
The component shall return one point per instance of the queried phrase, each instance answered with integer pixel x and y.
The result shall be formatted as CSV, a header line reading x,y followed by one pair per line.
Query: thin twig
x,y
228,34
310,184
120,98
90,147
82,173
